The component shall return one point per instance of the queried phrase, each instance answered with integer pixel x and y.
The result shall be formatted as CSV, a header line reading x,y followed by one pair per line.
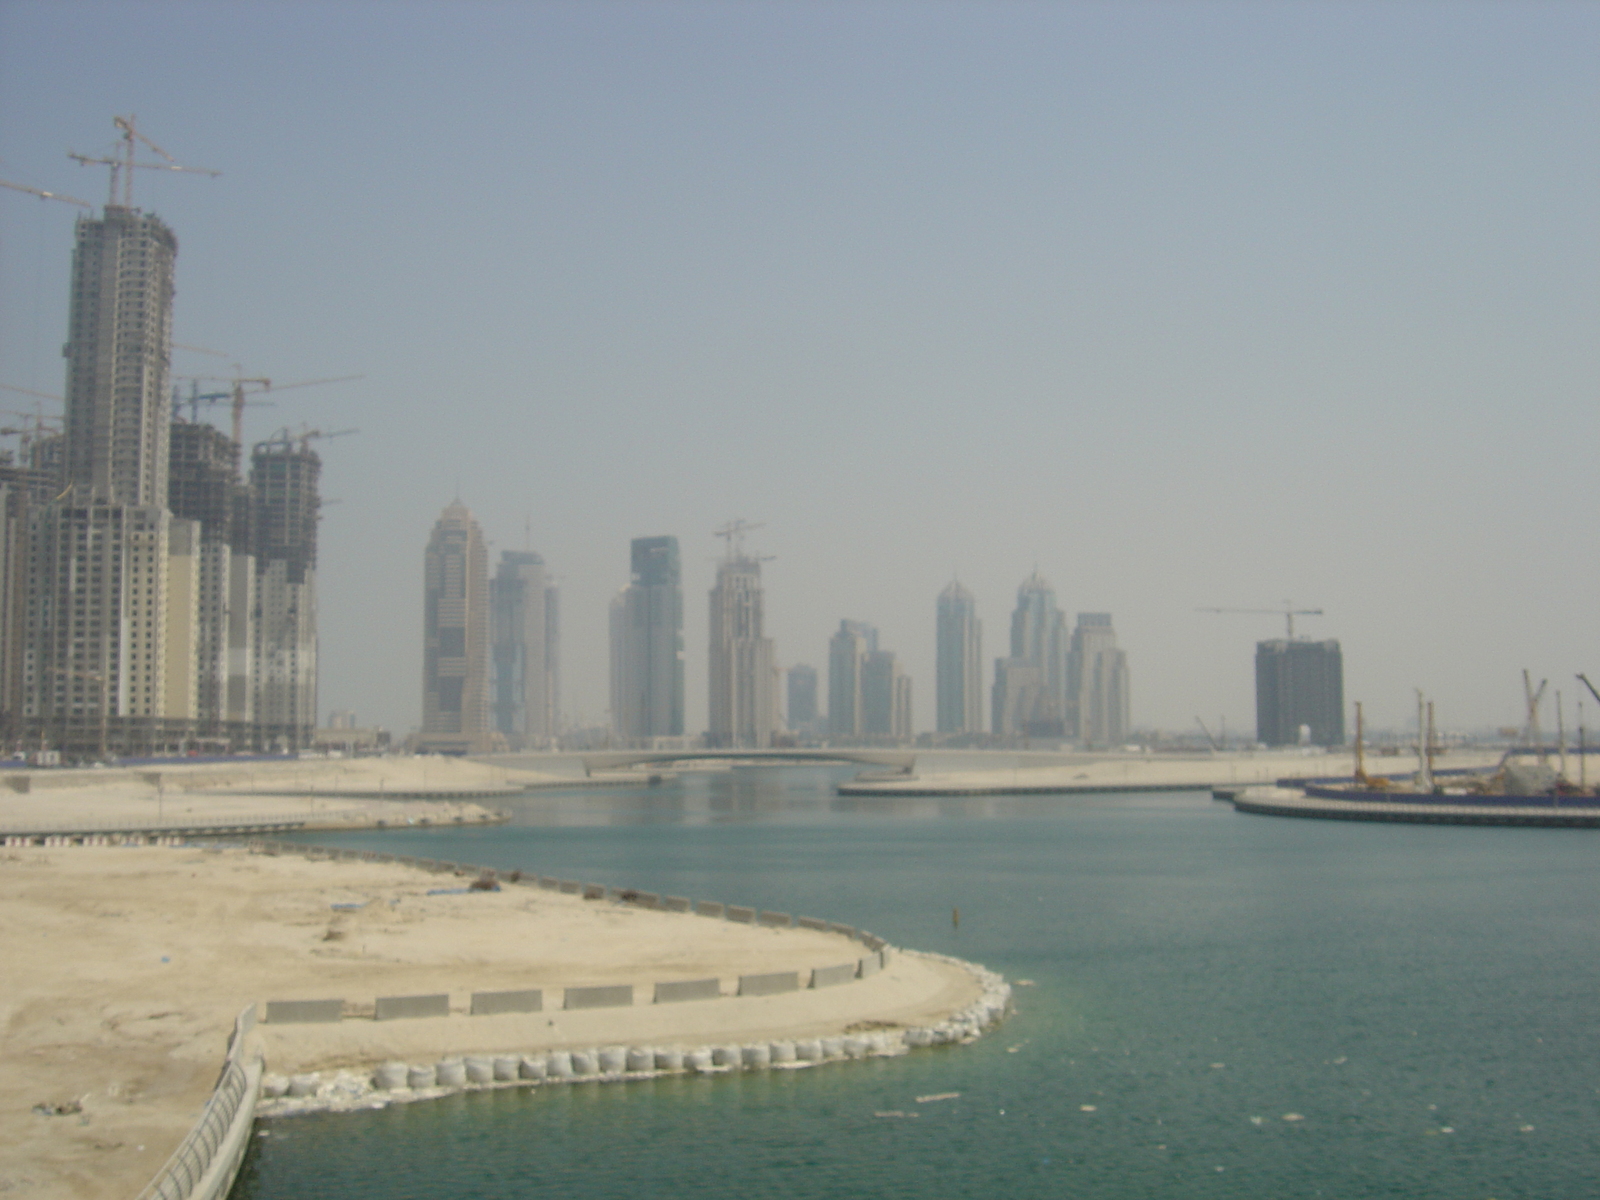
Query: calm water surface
x,y
1422,999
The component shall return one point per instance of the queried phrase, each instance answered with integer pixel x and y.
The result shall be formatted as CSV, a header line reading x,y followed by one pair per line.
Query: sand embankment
x,y
310,794
125,967
1111,772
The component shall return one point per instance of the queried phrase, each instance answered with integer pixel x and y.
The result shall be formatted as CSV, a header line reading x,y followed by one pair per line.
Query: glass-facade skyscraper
x,y
647,645
959,663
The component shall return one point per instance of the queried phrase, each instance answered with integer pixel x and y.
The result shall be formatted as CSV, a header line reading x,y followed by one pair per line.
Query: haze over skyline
x,y
1183,306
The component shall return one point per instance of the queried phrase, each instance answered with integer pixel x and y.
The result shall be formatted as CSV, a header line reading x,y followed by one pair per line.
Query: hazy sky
x,y
1184,304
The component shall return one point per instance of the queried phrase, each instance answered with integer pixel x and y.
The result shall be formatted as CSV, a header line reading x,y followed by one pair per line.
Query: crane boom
x,y
44,195
1287,611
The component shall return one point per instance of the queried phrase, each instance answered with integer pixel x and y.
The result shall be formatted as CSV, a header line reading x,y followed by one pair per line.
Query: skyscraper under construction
x,y
96,656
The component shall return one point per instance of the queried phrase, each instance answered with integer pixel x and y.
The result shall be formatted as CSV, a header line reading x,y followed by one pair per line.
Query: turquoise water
x,y
1426,1000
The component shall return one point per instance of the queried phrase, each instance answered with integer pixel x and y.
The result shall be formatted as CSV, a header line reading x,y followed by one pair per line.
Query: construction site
x,y
155,597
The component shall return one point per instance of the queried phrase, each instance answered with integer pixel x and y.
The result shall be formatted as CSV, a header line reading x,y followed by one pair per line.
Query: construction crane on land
x,y
30,392
1534,736
44,195
286,437
733,533
195,399
123,162
1288,612
249,387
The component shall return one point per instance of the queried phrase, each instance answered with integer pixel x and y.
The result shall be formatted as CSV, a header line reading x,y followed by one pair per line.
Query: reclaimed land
x,y
126,965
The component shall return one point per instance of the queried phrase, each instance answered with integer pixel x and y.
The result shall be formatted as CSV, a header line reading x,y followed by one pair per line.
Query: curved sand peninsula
x,y
127,965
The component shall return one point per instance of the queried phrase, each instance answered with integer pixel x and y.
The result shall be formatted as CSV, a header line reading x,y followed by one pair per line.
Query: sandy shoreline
x,y
126,967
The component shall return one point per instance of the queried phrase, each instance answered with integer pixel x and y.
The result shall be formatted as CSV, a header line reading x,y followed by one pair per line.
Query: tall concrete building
x,y
1033,701
647,645
959,663
743,666
1299,683
802,705
285,509
203,486
847,654
524,640
885,698
95,638
1097,684
455,669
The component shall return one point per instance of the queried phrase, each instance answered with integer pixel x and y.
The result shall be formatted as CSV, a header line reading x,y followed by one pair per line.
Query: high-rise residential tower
x,y
960,662
95,640
1299,683
847,654
743,667
1097,684
647,645
1033,705
455,669
522,621
802,699
885,698
203,486
285,509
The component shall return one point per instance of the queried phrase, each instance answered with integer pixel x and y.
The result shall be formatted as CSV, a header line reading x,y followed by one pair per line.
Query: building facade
x,y
802,696
455,670
647,645
959,663
524,645
743,665
885,698
94,660
1097,684
847,654
1033,703
285,509
1299,684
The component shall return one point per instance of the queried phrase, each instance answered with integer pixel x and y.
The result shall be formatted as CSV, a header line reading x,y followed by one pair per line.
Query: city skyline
x,y
1189,306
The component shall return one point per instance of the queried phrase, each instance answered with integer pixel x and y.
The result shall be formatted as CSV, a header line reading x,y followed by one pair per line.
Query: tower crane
x,y
123,162
287,437
733,533
1288,612
44,195
249,387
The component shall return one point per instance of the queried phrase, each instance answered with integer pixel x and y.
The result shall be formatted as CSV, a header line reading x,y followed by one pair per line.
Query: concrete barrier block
x,y
389,1076
613,1060
870,966
769,984
816,923
745,916
303,1012
777,920
487,1004
849,931
506,1067
594,891
617,996
675,903
709,908
833,976
548,884
570,887
647,900
480,1069
687,989
394,1008
450,1072
422,1077
641,1058
669,1058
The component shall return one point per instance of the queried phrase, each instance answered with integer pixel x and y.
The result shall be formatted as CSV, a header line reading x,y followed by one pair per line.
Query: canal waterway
x,y
1216,1005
